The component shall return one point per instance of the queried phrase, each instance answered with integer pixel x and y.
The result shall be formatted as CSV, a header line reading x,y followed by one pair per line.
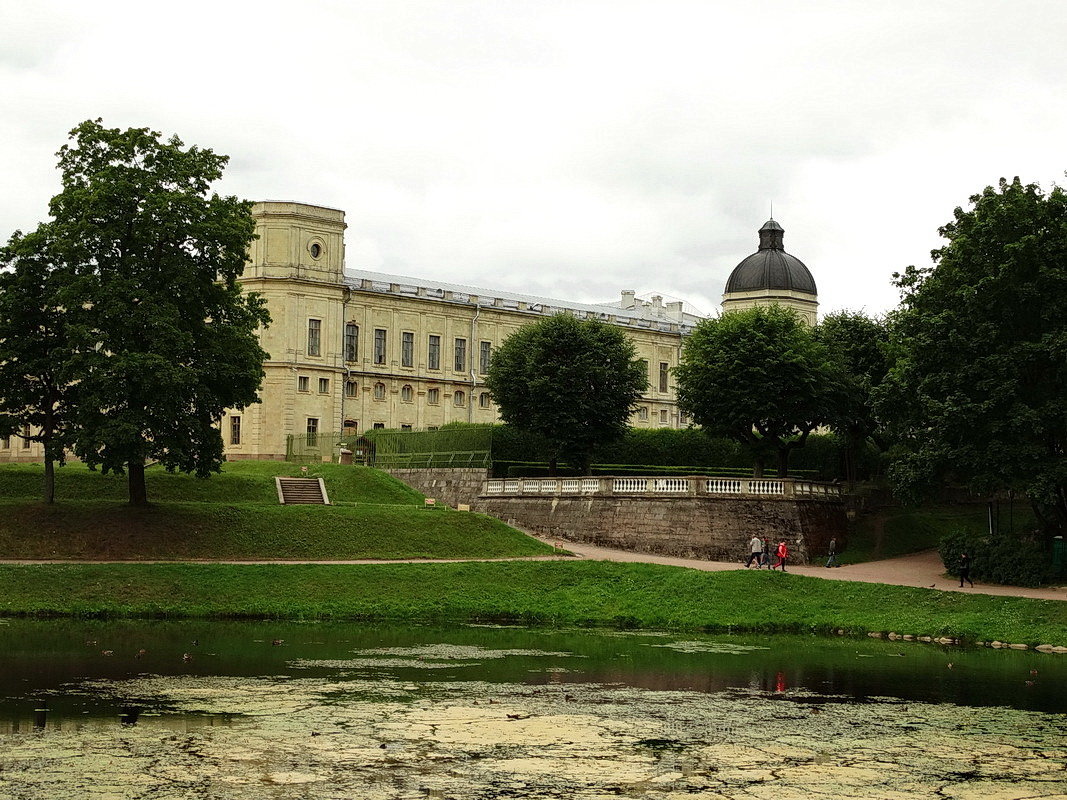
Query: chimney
x,y
657,305
628,298
674,311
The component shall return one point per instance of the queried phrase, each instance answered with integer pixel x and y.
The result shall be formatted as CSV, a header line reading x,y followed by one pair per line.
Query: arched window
x,y
459,398
483,400
379,391
433,396
642,413
350,389
406,394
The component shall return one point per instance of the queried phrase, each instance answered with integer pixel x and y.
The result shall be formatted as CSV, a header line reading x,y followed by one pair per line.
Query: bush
x,y
1001,558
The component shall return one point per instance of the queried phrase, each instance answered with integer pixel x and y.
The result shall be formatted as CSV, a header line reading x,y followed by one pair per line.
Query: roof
x,y
641,316
771,267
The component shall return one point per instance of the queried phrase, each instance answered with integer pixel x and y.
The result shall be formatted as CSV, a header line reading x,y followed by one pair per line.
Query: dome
x,y
771,267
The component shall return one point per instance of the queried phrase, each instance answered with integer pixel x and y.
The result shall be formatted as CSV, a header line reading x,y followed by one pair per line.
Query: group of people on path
x,y
760,552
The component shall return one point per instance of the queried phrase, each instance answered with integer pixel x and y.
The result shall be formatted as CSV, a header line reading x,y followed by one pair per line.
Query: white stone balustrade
x,y
695,486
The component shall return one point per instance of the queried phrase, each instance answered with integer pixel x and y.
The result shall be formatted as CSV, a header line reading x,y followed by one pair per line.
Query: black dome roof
x,y
771,267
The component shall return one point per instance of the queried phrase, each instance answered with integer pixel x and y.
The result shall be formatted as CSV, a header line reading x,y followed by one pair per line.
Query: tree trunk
x,y
758,468
49,480
138,491
552,467
783,462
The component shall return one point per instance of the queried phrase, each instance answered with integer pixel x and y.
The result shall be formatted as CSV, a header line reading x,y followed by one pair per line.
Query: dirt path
x,y
918,569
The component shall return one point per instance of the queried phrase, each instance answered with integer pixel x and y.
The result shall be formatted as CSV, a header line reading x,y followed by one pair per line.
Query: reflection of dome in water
x,y
771,267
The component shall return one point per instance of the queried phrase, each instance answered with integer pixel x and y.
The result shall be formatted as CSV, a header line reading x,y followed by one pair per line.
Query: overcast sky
x,y
568,149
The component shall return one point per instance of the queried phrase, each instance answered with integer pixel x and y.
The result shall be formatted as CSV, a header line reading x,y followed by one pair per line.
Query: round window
x,y
316,250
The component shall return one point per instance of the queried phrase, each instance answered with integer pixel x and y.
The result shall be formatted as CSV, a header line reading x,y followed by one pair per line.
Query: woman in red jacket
x,y
783,555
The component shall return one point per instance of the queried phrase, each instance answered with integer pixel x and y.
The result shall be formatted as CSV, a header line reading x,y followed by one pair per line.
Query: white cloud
x,y
567,148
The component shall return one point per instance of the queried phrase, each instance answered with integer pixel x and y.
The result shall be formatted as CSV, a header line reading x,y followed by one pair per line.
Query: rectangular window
x,y
407,349
663,368
313,432
324,385
433,353
25,437
235,430
405,427
350,389
644,369
461,355
433,396
314,337
6,442
379,425
663,417
379,345
303,384
485,353
351,342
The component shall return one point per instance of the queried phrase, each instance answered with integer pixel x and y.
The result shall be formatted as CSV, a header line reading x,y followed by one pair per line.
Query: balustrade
x,y
694,487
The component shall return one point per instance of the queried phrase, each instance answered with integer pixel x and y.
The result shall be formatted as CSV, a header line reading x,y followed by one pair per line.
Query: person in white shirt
x,y
755,548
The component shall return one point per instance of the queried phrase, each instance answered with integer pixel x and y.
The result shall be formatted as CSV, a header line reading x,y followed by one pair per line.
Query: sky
x,y
567,149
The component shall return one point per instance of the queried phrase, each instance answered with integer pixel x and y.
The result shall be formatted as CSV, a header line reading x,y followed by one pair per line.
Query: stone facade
x,y
448,486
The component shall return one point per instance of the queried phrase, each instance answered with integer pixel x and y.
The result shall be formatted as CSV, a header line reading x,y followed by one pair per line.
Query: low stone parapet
x,y
693,486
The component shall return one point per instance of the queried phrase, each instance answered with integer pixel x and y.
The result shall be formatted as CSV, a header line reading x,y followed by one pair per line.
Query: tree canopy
x,y
575,382
759,377
859,344
144,263
36,383
977,391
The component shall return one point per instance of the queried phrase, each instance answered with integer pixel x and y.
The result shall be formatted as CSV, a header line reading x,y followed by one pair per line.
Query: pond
x,y
136,709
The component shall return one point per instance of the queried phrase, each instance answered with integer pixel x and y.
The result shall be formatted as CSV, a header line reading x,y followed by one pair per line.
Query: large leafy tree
x,y
575,382
761,378
163,340
860,346
35,356
978,389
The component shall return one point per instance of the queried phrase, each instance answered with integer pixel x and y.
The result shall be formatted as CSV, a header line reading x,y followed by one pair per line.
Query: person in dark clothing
x,y
832,553
965,570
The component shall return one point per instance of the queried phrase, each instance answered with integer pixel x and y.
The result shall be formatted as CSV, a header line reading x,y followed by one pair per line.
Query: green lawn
x,y
239,482
552,593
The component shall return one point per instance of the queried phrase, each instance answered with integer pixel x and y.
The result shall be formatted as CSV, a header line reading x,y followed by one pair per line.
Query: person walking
x,y
965,570
755,551
831,560
766,553
783,554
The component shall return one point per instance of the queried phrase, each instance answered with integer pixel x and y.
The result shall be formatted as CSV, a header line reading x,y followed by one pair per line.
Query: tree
x,y
35,358
575,382
977,391
759,377
163,340
859,345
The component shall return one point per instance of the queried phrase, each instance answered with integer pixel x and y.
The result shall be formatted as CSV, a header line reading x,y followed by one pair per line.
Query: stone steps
x,y
296,491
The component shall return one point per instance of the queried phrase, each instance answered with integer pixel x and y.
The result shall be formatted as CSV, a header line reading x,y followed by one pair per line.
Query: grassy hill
x,y
235,515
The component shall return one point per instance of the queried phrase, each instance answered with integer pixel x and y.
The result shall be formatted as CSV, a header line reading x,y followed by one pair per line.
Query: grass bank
x,y
105,530
235,515
549,593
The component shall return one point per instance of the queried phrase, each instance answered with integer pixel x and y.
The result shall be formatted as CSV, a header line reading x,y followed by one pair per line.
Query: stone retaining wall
x,y
448,486
708,527
716,529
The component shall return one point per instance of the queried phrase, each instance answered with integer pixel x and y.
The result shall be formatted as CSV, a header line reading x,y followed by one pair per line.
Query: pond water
x,y
280,710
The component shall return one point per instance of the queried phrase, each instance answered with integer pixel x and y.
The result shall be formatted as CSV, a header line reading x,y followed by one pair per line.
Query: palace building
x,y
351,350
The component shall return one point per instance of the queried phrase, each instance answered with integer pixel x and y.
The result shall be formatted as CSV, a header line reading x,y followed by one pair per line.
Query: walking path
x,y
918,569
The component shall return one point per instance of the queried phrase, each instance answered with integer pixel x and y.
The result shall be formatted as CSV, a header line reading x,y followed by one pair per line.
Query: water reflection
x,y
51,671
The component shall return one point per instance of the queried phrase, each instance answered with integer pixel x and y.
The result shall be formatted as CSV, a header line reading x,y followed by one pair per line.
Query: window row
x,y
407,348
303,384
664,373
433,395
664,416
5,443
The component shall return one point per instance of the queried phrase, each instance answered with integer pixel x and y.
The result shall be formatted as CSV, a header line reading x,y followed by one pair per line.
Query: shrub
x,y
1001,558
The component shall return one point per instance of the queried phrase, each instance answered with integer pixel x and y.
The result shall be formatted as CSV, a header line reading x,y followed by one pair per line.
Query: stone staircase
x,y
293,491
